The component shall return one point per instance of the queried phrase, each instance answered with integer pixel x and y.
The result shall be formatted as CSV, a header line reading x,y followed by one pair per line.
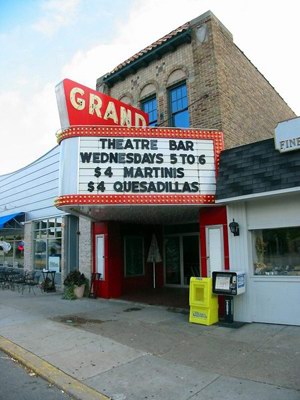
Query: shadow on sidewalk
x,y
168,297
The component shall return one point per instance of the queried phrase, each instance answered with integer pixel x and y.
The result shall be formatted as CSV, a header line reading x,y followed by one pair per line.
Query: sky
x,y
43,42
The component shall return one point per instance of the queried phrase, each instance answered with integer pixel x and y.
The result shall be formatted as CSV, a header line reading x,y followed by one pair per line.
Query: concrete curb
x,y
63,381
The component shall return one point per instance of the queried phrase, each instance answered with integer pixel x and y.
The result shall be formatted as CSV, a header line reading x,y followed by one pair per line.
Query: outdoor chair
x,y
5,278
14,278
2,278
95,276
31,281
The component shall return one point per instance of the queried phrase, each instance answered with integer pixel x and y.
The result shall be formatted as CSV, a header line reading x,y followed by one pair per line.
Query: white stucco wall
x,y
273,299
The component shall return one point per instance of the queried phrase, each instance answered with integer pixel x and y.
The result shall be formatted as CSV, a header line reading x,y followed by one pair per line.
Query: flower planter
x,y
79,291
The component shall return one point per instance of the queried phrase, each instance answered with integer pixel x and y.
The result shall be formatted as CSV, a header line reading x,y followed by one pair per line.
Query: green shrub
x,y
75,278
69,293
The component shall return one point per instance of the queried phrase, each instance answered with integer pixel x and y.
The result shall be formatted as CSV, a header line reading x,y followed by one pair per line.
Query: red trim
x,y
121,131
98,229
95,199
218,147
145,132
213,216
111,286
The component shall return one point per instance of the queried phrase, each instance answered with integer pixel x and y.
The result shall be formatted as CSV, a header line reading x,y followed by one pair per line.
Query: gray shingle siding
x,y
256,168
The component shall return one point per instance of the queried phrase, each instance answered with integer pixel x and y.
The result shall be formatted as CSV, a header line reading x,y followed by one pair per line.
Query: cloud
x,y
56,14
86,66
132,35
28,126
29,118
33,118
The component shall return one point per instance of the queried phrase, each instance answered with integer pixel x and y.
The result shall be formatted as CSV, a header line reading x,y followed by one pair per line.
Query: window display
x,y
277,251
14,257
47,244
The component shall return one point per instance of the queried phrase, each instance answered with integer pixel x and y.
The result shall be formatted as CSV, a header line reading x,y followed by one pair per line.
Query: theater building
x,y
138,204
194,78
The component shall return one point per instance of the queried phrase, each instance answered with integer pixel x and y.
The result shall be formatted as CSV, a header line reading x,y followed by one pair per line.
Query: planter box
x,y
79,291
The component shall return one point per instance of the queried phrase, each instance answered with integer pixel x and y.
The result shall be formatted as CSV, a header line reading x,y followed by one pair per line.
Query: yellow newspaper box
x,y
203,303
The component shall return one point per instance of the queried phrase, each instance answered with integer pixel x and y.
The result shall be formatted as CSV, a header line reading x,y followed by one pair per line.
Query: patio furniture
x,y
48,284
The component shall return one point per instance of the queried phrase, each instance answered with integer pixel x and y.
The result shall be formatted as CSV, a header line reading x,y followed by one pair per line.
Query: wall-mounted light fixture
x,y
234,228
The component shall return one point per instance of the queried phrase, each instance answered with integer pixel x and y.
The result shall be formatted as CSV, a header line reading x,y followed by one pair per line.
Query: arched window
x,y
149,102
178,106
126,99
149,105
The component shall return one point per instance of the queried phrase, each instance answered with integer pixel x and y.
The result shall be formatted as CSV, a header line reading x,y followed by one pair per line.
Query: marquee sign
x,y
80,105
115,165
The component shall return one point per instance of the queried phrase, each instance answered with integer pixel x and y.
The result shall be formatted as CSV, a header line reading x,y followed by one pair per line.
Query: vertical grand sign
x,y
80,105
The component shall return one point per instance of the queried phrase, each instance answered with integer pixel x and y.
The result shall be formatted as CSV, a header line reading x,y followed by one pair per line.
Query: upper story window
x,y
150,107
178,100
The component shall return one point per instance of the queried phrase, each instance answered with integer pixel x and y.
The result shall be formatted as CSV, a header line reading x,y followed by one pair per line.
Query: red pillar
x,y
207,217
213,216
111,286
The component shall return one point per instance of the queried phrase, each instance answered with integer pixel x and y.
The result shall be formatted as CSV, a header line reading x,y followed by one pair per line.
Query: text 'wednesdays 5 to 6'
x,y
146,166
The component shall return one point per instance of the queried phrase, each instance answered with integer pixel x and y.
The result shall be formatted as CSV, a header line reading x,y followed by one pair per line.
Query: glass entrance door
x,y
181,256
173,260
190,250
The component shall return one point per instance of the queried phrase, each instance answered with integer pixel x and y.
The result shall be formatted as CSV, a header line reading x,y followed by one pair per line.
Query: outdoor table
x,y
49,281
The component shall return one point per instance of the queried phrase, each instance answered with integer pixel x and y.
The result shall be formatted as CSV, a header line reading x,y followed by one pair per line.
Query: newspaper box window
x,y
229,283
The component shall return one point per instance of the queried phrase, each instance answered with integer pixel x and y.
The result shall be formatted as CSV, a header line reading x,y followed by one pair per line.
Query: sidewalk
x,y
122,350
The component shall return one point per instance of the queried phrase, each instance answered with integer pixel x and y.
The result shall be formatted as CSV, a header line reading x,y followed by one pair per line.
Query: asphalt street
x,y
18,383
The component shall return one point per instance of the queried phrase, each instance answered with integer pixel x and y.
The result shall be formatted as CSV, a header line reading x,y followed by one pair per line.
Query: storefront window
x,y
134,256
277,251
15,256
47,244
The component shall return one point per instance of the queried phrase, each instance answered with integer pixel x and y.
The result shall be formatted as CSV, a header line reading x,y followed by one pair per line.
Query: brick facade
x,y
28,249
225,90
85,247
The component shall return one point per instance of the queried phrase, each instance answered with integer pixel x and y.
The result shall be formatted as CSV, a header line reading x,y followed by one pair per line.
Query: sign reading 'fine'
x,y
110,165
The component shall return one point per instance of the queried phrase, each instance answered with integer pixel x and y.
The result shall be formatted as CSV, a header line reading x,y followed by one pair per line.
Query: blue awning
x,y
7,218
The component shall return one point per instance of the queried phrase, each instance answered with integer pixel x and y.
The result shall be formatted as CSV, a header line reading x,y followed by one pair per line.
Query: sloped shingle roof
x,y
151,47
256,168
